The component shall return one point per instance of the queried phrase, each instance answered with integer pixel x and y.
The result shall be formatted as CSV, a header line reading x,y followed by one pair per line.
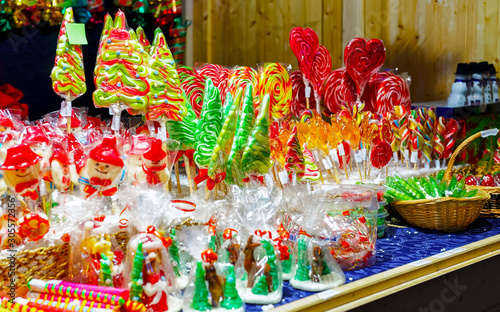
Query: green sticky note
x,y
76,33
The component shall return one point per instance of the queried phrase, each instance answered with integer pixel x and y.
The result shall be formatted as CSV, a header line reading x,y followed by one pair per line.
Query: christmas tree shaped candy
x,y
271,260
136,275
226,135
173,250
302,273
243,129
231,298
257,153
184,130
108,24
209,125
228,104
311,170
105,278
141,36
261,287
68,75
294,156
200,299
166,98
121,72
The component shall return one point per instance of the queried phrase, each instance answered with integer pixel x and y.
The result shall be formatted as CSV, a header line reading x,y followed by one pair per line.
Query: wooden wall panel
x,y
423,37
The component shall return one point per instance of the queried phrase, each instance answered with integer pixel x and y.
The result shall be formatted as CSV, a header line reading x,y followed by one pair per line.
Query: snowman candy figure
x,y
154,165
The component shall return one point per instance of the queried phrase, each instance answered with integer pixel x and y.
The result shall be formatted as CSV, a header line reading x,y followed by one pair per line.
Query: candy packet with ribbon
x,y
211,286
352,225
258,270
315,269
77,117
10,128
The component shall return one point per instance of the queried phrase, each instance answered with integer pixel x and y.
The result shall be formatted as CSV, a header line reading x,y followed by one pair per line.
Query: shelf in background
x,y
463,112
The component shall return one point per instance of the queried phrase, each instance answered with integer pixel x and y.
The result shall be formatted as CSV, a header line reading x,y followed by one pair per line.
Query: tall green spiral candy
x,y
209,125
245,124
105,278
228,104
226,135
257,153
184,130
136,275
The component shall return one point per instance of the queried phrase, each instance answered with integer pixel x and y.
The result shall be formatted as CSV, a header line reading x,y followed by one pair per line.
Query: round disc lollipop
x,y
219,76
363,59
193,85
274,80
33,226
392,91
381,154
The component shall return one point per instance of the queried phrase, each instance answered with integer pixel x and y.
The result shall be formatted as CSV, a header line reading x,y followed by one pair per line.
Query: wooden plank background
x,y
426,38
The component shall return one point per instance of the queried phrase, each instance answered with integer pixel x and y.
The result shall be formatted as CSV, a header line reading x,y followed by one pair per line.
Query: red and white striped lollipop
x,y
304,43
219,76
299,103
193,85
339,89
392,91
321,67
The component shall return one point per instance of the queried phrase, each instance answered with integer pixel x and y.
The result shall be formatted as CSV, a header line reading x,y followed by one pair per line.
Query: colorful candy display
x,y
275,82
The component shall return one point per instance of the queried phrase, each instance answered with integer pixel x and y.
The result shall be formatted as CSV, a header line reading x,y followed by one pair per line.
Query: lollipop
x,y
257,152
141,36
184,130
166,98
391,92
294,156
299,104
339,89
33,226
450,137
439,138
274,80
380,154
425,131
311,171
363,59
321,67
242,76
306,115
121,72
193,84
219,76
304,44
68,75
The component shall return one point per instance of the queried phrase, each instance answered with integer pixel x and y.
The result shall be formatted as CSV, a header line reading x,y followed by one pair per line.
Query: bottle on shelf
x,y
487,96
459,90
470,96
494,84
477,80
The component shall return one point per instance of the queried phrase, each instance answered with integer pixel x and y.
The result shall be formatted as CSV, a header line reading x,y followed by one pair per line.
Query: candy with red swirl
x,y
381,154
299,103
274,80
219,76
339,89
193,85
321,67
304,44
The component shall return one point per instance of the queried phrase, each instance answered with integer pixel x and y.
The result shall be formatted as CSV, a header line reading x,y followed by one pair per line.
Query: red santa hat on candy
x,y
6,122
140,145
35,135
60,155
156,152
20,156
107,153
62,122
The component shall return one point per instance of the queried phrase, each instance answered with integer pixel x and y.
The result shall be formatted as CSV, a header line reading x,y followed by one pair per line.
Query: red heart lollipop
x,y
339,89
381,154
299,103
304,44
363,59
321,67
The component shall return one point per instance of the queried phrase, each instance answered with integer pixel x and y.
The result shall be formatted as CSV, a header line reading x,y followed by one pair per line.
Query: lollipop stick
x,y
350,164
386,171
68,124
359,170
207,192
193,167
177,179
170,184
345,166
307,103
187,165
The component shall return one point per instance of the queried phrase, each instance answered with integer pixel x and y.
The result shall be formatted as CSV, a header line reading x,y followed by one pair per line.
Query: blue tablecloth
x,y
402,246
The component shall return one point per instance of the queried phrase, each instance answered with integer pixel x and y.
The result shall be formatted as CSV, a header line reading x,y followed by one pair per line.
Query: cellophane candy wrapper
x,y
352,224
259,275
78,120
314,268
212,285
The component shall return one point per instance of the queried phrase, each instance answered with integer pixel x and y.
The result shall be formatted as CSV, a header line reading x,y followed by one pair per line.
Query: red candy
x,y
321,67
33,226
339,88
299,103
381,154
304,44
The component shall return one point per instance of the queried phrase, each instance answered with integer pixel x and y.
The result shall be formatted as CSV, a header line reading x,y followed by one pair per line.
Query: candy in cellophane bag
x,y
258,270
212,286
352,223
314,268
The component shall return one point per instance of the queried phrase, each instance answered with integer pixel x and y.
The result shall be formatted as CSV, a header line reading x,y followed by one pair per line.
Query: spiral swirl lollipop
x,y
274,80
439,138
219,76
299,103
425,129
311,170
193,85
240,77
339,89
450,138
391,92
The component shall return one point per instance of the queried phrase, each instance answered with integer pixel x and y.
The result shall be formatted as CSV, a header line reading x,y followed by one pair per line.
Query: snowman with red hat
x,y
62,168
140,144
39,142
102,169
75,123
154,167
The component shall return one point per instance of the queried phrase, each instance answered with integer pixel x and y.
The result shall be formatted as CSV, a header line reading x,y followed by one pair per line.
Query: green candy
x,y
245,124
226,136
396,195
452,185
409,189
228,104
471,193
184,130
436,187
209,125
257,153
440,175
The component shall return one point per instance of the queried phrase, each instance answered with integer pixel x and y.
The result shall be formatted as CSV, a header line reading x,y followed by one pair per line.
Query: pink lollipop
x,y
381,154
339,88
304,44
299,103
321,67
392,91
219,76
363,59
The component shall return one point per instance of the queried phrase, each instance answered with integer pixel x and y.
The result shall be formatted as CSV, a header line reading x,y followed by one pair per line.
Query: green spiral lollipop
x,y
184,130
257,153
209,125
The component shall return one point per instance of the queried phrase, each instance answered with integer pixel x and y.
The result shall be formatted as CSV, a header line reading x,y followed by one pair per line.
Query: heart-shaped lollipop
x,y
339,89
363,59
304,44
321,67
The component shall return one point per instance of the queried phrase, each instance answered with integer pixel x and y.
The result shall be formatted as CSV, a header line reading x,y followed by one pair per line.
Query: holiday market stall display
x,y
289,175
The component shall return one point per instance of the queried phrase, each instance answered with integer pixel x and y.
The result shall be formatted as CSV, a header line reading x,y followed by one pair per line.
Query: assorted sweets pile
x,y
270,208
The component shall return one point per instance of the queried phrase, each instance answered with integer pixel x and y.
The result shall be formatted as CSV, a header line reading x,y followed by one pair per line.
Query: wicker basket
x,y
43,263
445,214
491,208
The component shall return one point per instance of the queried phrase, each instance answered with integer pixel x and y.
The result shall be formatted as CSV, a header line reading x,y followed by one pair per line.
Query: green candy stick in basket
x,y
226,135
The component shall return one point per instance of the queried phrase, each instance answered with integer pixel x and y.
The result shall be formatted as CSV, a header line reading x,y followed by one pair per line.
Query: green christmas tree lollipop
x,y
257,153
68,75
245,124
166,98
200,299
136,275
173,251
226,135
184,130
231,298
228,104
143,40
209,125
271,260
